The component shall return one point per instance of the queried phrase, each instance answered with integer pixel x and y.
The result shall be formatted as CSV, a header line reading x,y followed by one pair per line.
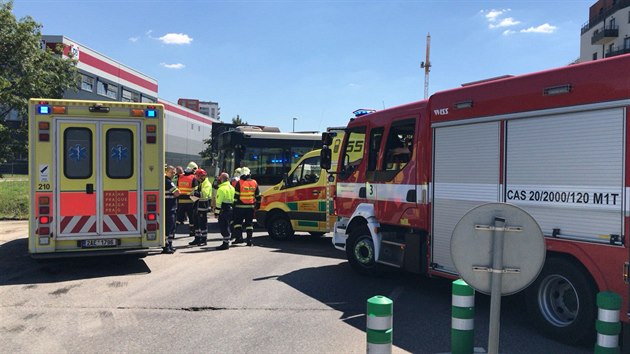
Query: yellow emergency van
x,y
97,177
302,201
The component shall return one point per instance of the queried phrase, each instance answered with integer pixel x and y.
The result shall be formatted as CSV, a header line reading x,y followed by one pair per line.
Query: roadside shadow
x,y
17,267
421,311
301,244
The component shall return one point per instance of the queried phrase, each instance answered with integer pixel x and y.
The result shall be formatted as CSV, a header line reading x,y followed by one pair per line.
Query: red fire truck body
x,y
554,143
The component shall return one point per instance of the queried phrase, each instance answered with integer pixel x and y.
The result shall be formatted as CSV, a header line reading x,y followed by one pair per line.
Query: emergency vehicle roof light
x,y
59,109
363,111
463,104
98,108
137,113
43,110
557,90
151,113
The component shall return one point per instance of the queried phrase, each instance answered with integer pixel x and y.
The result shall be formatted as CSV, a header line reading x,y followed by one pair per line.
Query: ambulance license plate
x,y
105,242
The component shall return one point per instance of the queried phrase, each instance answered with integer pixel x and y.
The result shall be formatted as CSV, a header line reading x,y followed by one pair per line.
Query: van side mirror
x,y
325,158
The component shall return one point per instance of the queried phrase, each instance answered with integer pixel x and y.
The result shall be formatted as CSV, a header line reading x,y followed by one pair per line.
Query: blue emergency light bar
x,y
150,113
43,109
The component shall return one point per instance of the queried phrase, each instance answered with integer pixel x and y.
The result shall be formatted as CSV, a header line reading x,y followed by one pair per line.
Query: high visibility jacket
x,y
205,192
225,196
170,202
246,193
186,185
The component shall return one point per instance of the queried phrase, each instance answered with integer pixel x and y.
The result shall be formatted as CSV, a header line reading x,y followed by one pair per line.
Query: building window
x,y
595,56
146,99
192,127
105,89
128,96
626,43
628,16
87,83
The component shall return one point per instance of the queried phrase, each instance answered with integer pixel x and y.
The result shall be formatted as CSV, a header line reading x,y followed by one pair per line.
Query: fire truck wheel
x,y
361,253
562,301
280,228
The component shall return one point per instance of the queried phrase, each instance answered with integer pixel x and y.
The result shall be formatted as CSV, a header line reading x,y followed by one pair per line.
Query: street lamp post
x,y
294,119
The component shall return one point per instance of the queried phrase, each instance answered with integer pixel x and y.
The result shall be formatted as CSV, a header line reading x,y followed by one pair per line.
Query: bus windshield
x,y
268,155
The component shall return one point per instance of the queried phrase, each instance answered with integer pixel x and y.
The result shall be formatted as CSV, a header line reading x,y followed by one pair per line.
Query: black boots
x,y
224,246
203,240
195,242
168,249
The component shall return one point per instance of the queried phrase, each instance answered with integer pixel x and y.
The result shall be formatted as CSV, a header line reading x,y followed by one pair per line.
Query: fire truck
x,y
96,177
554,143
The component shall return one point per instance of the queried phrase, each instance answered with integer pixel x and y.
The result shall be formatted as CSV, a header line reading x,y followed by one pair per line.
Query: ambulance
x,y
302,201
96,176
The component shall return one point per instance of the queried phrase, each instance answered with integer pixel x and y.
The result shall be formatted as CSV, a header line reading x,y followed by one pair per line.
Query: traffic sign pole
x,y
495,293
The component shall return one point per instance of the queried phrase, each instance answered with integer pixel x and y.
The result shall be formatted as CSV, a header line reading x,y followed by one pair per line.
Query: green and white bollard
x,y
380,320
607,325
462,318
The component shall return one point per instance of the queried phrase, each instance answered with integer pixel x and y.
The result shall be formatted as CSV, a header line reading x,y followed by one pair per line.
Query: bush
x,y
14,199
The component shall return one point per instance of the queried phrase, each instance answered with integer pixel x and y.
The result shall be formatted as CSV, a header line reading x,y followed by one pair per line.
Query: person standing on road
x,y
223,210
203,192
235,177
186,183
170,206
247,197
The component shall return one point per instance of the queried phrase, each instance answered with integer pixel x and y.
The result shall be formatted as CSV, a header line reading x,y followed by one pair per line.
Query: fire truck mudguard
x,y
96,174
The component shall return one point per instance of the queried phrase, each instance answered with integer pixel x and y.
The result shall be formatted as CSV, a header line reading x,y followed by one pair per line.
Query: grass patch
x,y
14,199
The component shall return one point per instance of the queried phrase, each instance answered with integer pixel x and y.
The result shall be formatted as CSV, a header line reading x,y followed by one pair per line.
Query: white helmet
x,y
237,172
245,171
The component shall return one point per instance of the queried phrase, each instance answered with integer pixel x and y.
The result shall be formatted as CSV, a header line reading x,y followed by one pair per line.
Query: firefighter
x,y
203,192
186,183
235,177
246,198
223,210
170,206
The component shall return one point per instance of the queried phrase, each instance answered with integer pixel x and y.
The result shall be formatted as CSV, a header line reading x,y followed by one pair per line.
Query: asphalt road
x,y
298,296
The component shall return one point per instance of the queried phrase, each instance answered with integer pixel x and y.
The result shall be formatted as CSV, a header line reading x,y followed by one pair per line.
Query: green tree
x,y
26,71
238,121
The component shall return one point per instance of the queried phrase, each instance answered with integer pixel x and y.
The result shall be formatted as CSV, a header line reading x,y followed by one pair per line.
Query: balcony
x,y
605,35
592,22
617,51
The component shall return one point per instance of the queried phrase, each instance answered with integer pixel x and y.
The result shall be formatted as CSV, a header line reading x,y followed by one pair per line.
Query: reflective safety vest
x,y
185,184
205,192
247,191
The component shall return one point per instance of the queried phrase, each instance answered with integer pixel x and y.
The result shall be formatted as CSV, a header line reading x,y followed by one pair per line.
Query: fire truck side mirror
x,y
325,158
327,138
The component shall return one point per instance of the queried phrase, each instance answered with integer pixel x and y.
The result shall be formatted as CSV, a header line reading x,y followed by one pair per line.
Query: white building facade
x,y
607,32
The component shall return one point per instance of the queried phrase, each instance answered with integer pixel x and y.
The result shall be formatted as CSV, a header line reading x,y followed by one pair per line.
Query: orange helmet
x,y
201,173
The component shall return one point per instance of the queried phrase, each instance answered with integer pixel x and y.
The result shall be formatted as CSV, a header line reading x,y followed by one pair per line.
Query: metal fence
x,y
14,168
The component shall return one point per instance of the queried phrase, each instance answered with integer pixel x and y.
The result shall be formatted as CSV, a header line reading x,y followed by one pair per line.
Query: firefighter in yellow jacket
x,y
246,198
223,210
203,192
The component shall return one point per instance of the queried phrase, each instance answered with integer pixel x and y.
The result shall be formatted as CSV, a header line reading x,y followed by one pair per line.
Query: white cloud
x,y
134,39
544,28
492,15
173,66
506,22
175,38
508,32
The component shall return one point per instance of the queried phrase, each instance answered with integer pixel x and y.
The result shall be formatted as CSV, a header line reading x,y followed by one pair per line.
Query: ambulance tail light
x,y
151,215
44,210
43,230
45,219
151,133
43,131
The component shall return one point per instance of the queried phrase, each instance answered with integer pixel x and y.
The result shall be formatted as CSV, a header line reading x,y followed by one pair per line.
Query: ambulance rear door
x,y
99,179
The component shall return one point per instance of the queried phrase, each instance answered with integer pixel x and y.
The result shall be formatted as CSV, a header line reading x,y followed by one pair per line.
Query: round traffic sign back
x,y
523,247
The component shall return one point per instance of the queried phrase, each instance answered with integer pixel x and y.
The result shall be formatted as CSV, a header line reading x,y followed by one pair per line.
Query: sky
x,y
271,61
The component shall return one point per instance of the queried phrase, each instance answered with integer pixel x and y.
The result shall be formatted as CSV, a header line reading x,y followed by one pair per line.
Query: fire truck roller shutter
x,y
466,174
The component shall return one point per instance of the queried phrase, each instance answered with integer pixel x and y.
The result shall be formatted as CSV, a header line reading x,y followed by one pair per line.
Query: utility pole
x,y
294,119
426,65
